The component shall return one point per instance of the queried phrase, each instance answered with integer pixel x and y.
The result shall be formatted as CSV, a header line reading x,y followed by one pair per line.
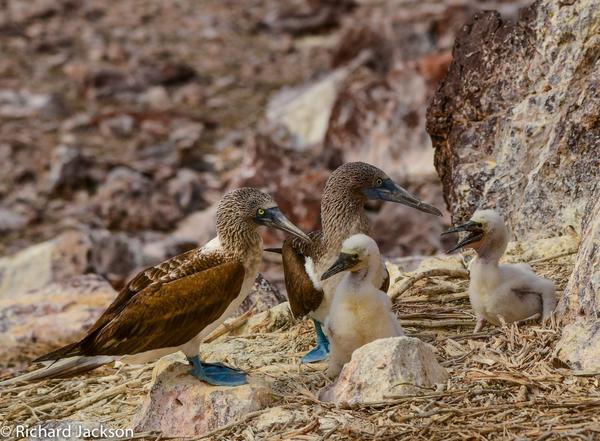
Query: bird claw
x,y
318,353
217,374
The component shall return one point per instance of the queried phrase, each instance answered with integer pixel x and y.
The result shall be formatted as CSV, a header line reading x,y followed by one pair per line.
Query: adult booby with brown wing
x,y
174,305
342,215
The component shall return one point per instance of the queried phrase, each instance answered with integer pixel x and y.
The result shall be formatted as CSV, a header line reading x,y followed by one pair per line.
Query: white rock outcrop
x,y
179,404
388,366
38,265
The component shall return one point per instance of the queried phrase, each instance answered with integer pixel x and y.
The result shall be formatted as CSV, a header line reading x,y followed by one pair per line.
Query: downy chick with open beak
x,y
360,312
511,291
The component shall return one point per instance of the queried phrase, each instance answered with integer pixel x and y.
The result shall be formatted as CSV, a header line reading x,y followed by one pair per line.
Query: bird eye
x,y
260,212
355,255
379,182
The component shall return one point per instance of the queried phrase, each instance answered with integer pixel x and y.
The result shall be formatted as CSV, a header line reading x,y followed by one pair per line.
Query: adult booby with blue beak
x,y
347,190
174,305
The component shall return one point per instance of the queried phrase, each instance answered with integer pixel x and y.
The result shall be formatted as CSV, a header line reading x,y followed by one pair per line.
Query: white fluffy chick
x,y
360,313
512,292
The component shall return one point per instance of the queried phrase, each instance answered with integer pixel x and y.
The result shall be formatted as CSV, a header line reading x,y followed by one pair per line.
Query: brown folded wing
x,y
302,294
164,306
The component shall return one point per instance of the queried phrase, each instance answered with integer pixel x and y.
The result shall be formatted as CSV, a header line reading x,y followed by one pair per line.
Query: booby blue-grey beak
x,y
475,230
388,190
273,217
344,262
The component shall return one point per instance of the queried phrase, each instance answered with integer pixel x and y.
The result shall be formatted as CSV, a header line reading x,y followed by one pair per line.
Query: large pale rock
x,y
112,255
178,404
389,366
515,127
580,343
55,314
37,266
515,122
300,116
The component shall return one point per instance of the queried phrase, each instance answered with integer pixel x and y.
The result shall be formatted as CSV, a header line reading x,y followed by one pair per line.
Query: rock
x,y
278,417
69,170
515,122
389,366
295,181
119,125
130,201
167,73
198,227
262,297
186,188
181,405
11,220
58,259
316,16
300,116
515,127
579,345
115,255
270,320
186,135
25,104
54,314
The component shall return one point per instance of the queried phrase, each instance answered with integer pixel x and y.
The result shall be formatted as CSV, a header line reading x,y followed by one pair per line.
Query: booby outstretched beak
x,y
475,230
273,217
388,190
344,262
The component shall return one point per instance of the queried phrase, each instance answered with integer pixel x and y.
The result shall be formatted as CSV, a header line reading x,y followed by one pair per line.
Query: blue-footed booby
x,y
172,306
342,215
512,292
360,312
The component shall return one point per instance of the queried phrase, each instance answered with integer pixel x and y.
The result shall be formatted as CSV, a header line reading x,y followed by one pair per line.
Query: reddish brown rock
x,y
130,201
515,122
515,126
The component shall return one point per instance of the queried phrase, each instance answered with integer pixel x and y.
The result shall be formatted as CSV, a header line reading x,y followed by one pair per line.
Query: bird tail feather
x,y
61,369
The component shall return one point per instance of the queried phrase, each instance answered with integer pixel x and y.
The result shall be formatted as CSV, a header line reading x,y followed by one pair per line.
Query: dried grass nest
x,y
504,382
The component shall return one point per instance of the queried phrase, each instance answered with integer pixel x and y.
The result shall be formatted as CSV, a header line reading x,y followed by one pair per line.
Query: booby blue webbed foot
x,y
319,352
216,374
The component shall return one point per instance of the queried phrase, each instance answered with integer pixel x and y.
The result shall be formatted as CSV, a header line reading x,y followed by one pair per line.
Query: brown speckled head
x,y
352,178
241,211
342,206
347,190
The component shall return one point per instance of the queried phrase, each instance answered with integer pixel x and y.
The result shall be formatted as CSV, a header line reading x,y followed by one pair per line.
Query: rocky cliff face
x,y
515,122
515,125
